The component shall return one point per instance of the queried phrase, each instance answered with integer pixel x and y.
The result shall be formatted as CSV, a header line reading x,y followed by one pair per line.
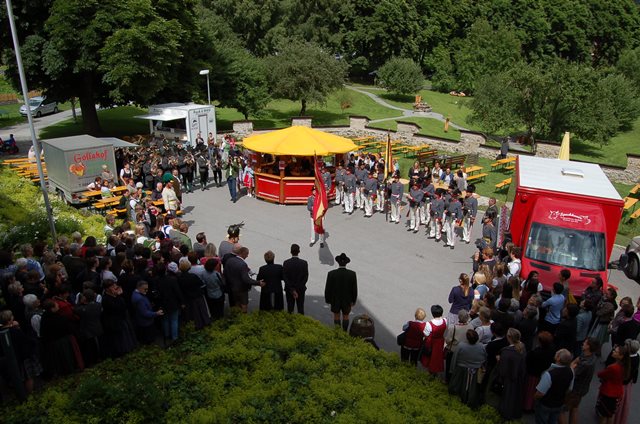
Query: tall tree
x,y
111,52
304,72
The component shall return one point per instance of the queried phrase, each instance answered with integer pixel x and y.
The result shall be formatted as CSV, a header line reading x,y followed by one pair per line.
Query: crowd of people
x,y
502,344
71,306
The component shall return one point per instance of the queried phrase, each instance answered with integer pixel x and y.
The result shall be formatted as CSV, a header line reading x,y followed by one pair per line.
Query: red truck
x,y
563,214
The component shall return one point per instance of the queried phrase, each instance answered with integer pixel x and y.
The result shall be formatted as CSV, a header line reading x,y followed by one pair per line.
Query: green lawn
x,y
428,126
614,153
116,122
456,108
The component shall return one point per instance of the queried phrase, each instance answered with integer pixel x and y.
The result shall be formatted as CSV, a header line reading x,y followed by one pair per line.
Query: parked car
x,y
39,106
630,260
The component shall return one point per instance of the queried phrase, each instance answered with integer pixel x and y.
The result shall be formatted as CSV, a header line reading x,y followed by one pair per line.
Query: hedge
x,y
256,368
23,217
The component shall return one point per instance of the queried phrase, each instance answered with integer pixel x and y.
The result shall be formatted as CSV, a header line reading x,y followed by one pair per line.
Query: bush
x,y
23,217
261,367
401,76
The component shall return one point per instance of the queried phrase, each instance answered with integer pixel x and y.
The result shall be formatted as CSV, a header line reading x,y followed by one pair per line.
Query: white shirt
x,y
436,321
514,267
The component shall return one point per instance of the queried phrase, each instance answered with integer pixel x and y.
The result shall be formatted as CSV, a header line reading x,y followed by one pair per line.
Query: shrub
x,y
401,76
23,217
261,367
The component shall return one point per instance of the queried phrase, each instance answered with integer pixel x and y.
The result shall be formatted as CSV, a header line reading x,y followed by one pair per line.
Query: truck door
x,y
203,125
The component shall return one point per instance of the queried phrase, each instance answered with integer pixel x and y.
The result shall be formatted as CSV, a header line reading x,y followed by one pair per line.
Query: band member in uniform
x,y
469,210
436,213
415,199
382,186
492,208
429,193
453,217
369,191
326,178
340,176
397,190
203,168
350,187
361,176
314,236
489,231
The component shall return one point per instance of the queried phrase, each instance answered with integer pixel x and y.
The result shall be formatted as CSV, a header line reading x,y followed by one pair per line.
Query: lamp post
x,y
206,72
34,140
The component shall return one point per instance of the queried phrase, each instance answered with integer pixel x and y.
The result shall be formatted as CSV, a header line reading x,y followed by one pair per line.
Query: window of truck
x,y
566,247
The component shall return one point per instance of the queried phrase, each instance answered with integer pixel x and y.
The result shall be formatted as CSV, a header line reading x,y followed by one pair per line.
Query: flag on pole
x,y
320,202
388,158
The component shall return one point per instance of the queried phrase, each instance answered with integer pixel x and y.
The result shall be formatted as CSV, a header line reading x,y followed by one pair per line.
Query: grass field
x,y
116,122
613,153
428,126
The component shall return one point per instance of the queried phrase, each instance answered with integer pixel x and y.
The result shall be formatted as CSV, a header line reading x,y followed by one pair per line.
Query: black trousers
x,y
299,303
204,177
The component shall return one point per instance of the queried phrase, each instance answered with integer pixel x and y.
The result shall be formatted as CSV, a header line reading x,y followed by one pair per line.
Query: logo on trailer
x,y
569,217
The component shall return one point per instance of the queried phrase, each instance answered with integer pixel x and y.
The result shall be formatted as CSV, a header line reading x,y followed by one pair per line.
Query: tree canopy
x,y
304,72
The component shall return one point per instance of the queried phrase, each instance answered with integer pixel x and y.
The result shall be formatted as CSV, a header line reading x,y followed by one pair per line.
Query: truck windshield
x,y
566,247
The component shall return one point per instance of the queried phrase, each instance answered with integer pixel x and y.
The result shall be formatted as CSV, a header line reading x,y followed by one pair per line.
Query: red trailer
x,y
563,214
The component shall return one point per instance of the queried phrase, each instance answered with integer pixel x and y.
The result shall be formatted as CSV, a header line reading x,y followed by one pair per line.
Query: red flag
x,y
388,158
320,202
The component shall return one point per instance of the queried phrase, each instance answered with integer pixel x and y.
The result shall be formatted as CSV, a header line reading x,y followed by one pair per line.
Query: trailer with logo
x,y
563,214
74,162
182,121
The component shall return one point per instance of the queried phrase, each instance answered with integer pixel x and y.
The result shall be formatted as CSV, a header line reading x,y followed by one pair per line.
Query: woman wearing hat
x,y
341,291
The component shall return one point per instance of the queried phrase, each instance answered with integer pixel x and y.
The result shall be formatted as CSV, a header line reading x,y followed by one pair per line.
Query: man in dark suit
x,y
296,274
341,291
236,274
271,294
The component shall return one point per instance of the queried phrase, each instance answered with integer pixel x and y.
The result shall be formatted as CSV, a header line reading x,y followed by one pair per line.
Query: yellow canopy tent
x,y
564,147
299,141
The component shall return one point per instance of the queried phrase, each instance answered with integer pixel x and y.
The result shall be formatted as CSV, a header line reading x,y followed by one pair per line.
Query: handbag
x,y
400,338
497,386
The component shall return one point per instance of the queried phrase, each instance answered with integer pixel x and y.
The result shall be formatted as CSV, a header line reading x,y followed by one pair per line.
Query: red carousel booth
x,y
284,169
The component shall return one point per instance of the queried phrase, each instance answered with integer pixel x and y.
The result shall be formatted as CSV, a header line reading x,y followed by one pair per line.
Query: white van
x,y
39,106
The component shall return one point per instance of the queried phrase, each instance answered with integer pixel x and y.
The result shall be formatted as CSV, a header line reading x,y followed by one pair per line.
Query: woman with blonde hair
x,y
460,297
511,372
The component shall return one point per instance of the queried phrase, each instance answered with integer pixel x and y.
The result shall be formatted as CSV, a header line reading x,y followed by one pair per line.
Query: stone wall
x,y
303,121
471,142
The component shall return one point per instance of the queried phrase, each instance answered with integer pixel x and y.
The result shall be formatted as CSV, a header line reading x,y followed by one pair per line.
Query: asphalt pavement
x,y
398,271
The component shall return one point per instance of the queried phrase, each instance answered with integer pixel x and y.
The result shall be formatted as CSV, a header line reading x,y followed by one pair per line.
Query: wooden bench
x,y
504,183
629,202
477,177
635,215
422,157
635,189
510,167
454,162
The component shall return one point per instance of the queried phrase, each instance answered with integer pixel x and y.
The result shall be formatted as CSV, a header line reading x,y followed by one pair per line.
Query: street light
x,y
206,72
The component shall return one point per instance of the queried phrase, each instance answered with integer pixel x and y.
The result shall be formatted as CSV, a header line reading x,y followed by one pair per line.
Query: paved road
x,y
22,133
398,271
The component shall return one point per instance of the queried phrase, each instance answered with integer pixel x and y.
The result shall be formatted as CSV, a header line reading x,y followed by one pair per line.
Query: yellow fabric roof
x,y
299,141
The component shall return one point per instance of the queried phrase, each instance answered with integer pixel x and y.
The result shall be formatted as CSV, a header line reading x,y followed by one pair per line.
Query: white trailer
x,y
181,120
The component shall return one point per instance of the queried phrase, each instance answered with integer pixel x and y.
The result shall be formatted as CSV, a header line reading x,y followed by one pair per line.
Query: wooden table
x,y
502,163
629,202
470,170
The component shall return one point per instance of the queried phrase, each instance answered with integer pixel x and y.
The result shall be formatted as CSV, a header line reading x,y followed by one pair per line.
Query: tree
x,y
484,51
113,51
249,91
304,72
592,104
401,76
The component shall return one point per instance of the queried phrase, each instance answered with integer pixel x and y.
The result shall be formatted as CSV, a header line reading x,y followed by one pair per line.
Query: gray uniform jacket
x,y
429,193
350,183
397,189
370,185
340,174
326,177
454,209
437,208
310,200
361,175
471,205
490,235
416,197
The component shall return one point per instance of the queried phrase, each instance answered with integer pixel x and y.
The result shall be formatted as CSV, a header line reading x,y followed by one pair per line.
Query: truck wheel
x,y
633,268
38,114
